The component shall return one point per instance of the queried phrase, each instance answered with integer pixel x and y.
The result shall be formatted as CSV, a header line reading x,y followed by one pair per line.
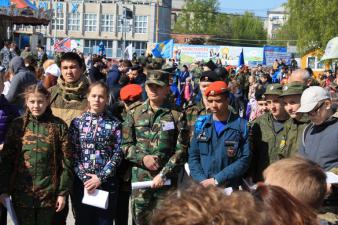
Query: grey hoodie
x,y
22,79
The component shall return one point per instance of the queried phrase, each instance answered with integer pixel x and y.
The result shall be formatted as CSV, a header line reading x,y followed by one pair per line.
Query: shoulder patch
x,y
199,124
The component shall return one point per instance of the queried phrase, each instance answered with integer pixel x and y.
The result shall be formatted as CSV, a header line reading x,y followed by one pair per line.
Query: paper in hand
x,y
331,178
97,199
146,184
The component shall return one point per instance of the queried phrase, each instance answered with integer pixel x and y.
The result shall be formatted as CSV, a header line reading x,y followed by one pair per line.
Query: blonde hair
x,y
304,179
202,206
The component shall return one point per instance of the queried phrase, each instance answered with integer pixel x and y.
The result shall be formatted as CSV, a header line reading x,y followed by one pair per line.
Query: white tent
x,y
331,51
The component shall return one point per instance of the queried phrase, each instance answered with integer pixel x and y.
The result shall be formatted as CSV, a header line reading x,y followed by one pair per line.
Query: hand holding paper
x,y
98,198
146,184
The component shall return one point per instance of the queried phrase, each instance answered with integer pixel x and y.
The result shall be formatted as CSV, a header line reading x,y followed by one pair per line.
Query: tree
x,y
312,23
248,27
202,17
197,17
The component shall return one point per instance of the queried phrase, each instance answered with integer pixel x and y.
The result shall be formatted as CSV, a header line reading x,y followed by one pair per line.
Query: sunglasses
x,y
317,108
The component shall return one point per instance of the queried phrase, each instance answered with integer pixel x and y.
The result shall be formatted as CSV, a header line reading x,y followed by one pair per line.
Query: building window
x,y
311,62
92,47
58,21
90,22
74,21
138,47
141,24
120,24
107,23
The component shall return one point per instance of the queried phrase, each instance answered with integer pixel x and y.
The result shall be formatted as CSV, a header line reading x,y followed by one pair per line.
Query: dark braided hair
x,y
33,89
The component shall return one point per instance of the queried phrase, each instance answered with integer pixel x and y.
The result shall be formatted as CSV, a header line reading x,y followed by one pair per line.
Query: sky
x,y
259,7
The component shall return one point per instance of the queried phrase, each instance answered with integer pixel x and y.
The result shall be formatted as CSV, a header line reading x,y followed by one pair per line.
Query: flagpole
x,y
55,17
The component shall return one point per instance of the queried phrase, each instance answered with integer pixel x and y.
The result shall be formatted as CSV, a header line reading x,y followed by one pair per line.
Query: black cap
x,y
135,67
211,65
209,76
221,72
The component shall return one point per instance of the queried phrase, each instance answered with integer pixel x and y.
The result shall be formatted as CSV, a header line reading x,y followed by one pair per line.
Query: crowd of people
x,y
220,144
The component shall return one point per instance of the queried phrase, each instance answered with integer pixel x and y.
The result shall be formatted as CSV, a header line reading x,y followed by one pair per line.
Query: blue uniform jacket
x,y
225,157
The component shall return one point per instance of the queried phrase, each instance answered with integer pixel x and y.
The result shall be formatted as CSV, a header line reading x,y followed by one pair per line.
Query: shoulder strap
x,y
242,126
54,94
306,130
176,115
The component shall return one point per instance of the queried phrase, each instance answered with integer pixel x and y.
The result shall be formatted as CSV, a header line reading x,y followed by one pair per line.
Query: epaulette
x,y
199,124
188,106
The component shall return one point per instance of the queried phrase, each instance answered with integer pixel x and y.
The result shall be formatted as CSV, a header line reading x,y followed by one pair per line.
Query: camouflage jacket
x,y
39,168
264,144
292,136
193,112
162,133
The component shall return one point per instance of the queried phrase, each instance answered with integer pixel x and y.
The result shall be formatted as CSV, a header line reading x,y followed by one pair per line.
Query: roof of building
x,y
280,9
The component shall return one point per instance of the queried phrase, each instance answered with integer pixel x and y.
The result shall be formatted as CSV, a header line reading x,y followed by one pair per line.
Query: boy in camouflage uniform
x,y
266,132
295,125
155,142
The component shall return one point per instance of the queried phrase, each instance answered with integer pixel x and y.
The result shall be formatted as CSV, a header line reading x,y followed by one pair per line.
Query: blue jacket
x,y
7,113
225,157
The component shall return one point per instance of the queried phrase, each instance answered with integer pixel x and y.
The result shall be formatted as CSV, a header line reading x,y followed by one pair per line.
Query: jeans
x,y
90,215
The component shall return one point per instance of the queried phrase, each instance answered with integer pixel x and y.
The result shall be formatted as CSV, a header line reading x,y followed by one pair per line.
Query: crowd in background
x,y
76,123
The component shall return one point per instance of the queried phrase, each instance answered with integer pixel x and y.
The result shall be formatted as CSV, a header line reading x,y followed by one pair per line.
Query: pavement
x,y
71,220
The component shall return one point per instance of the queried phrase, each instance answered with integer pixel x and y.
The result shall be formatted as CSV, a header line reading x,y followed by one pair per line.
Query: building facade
x,y
91,22
276,18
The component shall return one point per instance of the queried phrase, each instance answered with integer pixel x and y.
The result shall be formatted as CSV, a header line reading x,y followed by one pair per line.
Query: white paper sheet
x,y
331,178
186,167
228,191
146,184
9,206
98,199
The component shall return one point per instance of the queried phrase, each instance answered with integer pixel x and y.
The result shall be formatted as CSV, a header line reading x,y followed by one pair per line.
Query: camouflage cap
x,y
273,89
158,77
293,88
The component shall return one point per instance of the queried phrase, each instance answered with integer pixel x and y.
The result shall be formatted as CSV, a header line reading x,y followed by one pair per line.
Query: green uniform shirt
x,y
162,133
292,136
265,144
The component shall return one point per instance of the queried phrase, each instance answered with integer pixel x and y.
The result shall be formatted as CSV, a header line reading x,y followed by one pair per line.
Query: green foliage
x,y
312,23
247,26
202,17
198,17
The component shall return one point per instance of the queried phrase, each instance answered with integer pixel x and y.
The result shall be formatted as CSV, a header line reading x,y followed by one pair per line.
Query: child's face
x,y
97,99
37,104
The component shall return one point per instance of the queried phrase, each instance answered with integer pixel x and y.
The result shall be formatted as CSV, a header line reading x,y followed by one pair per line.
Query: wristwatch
x,y
216,182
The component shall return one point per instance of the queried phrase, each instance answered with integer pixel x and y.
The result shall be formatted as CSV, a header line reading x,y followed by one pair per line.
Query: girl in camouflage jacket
x,y
36,161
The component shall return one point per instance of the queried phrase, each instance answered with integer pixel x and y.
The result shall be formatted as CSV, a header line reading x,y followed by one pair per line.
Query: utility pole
x,y
55,18
157,17
124,30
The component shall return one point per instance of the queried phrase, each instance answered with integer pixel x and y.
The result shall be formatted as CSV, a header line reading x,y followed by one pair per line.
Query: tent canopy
x,y
331,50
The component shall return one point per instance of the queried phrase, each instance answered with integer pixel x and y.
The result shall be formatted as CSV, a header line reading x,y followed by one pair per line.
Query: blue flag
x,y
164,49
102,49
241,59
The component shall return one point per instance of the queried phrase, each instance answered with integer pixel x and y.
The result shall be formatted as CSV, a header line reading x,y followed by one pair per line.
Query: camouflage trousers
x,y
143,202
30,216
